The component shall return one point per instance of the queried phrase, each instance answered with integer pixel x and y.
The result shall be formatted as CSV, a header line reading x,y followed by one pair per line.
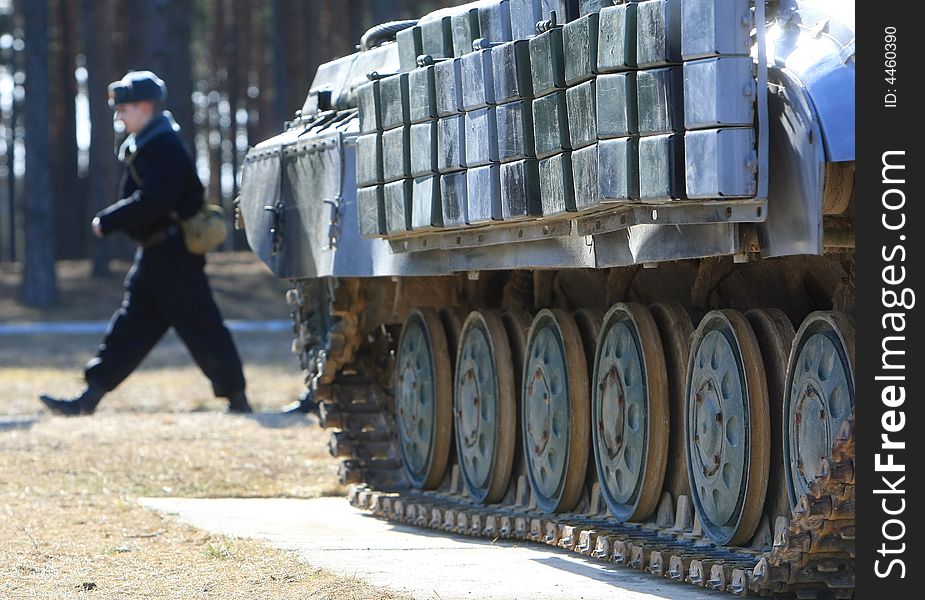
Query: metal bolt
x,y
719,417
716,459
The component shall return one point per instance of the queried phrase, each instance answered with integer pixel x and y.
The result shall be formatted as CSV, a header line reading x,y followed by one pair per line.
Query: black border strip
x,y
889,272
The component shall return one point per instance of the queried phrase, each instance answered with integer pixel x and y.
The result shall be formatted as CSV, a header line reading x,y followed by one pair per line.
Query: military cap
x,y
137,86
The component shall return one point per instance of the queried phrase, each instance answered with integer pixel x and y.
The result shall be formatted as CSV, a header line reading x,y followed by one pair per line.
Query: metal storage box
x,y
396,154
719,91
557,191
425,203
423,148
547,62
465,30
447,84
368,107
393,95
524,16
481,137
582,114
579,41
585,178
616,105
550,125
720,163
369,159
397,198
520,190
422,95
659,100
658,32
511,76
618,169
371,211
437,37
483,188
495,21
586,7
409,47
451,144
515,130
661,167
713,27
478,90
565,10
453,199
616,42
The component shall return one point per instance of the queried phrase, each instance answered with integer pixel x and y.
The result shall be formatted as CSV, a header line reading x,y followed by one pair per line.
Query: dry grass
x,y
70,526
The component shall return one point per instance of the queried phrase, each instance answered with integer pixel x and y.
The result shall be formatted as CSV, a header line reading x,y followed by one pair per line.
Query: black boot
x,y
237,403
304,405
84,404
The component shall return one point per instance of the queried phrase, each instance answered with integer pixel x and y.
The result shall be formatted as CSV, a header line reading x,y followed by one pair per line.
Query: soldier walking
x,y
166,285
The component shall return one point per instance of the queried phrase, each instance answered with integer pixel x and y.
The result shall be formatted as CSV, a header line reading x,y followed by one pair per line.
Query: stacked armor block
x,y
719,99
394,107
550,122
426,210
580,39
648,101
659,101
370,185
513,89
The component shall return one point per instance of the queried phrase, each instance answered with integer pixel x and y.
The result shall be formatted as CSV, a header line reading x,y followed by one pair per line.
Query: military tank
x,y
582,273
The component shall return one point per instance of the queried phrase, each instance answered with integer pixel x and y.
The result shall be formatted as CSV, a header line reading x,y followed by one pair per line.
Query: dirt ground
x,y
70,526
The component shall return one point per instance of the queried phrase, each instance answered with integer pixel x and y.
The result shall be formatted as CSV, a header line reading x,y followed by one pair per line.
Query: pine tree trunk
x,y
39,287
62,120
176,67
97,24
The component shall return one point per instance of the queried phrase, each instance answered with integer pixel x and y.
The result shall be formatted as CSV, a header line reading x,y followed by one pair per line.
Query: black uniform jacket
x,y
169,185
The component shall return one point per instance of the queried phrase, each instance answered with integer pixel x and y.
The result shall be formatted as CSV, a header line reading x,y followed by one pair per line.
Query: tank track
x,y
801,563
809,556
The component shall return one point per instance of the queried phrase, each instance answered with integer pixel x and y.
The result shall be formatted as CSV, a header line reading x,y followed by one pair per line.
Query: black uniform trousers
x,y
166,287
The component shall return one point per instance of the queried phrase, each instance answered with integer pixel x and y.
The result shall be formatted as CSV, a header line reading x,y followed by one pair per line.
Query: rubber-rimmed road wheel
x,y
424,398
727,425
819,397
485,406
556,411
629,409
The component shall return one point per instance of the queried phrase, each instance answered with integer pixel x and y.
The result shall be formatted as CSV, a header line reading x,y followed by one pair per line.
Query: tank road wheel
x,y
774,332
675,327
820,397
727,427
555,411
485,406
629,409
424,398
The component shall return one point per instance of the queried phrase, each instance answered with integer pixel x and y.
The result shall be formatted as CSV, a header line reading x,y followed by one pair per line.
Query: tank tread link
x,y
812,555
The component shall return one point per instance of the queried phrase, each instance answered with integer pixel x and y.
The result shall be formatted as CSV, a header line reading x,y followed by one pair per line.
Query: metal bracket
x,y
477,237
333,221
672,213
276,227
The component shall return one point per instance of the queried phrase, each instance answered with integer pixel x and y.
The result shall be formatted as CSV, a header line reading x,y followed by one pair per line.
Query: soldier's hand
x,y
97,230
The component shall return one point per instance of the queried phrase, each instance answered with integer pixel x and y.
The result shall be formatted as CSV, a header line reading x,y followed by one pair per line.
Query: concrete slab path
x,y
329,533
